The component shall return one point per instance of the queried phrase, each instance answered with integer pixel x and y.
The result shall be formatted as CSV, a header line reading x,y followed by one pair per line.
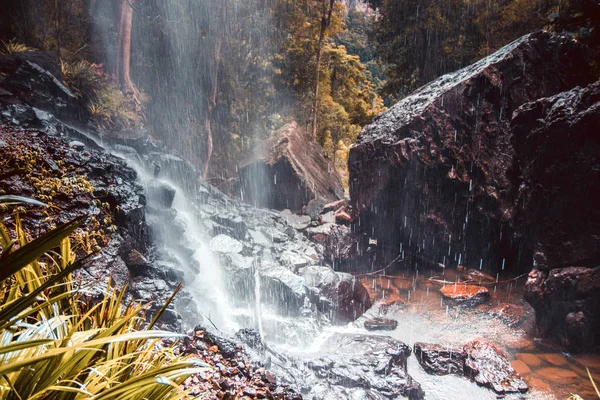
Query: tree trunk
x,y
124,49
59,15
325,22
212,92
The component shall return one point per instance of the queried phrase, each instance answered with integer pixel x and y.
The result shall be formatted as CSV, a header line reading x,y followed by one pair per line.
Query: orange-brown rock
x,y
465,294
520,367
532,360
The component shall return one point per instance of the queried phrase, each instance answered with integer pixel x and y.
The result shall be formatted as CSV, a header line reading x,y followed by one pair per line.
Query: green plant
x,y
82,77
12,47
54,344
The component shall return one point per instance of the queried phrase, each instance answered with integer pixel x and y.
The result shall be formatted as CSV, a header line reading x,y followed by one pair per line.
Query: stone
x,y
465,294
370,366
436,171
299,222
520,367
558,360
327,218
532,360
282,288
343,218
380,324
234,225
488,366
478,277
566,303
287,170
559,375
314,208
160,194
334,206
77,145
386,306
511,314
251,338
557,148
226,244
34,78
337,294
440,360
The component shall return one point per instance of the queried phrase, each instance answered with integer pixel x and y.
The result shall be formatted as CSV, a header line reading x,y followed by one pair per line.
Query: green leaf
x,y
25,255
10,199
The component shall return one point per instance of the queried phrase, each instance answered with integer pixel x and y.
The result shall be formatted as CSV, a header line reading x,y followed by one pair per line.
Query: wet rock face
x,y
478,360
368,366
288,170
558,151
566,302
438,172
33,78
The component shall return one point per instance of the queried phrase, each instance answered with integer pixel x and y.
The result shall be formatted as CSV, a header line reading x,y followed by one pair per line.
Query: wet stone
x,y
532,360
440,360
511,314
488,366
225,244
465,294
520,367
380,324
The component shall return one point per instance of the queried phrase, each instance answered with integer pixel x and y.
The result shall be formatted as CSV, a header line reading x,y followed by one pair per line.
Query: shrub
x,y
56,345
12,47
107,105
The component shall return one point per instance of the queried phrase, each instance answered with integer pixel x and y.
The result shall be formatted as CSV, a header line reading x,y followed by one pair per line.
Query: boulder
x,y
282,288
440,360
566,303
374,366
488,366
436,172
478,360
465,294
337,294
334,206
287,170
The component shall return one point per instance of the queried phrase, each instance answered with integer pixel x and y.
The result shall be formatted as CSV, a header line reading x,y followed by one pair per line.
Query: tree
x,y
327,11
123,55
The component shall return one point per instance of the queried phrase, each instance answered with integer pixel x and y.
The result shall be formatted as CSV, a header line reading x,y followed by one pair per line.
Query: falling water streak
x,y
257,301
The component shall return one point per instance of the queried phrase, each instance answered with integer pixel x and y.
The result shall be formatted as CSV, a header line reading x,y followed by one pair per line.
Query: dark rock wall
x,y
435,175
